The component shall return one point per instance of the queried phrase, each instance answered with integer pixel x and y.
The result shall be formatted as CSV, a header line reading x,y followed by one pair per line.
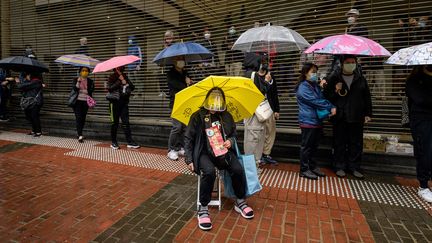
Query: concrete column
x,y
5,28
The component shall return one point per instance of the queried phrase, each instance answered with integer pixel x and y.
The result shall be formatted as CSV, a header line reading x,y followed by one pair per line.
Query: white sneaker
x,y
181,152
173,155
426,194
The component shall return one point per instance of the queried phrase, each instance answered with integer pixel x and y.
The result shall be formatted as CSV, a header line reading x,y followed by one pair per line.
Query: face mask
x,y
207,36
180,64
422,23
349,68
130,42
232,31
264,67
29,50
84,73
313,77
351,20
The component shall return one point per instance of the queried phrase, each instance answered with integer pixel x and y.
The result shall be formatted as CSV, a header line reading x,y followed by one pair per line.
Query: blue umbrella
x,y
190,50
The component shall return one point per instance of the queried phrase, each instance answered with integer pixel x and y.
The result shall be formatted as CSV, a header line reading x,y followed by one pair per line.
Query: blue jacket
x,y
309,100
135,50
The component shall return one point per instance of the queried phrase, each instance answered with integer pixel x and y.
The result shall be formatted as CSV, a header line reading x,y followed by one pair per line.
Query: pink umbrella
x,y
114,63
348,44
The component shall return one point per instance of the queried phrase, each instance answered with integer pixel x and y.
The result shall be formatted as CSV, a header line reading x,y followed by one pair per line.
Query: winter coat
x,y
115,85
356,104
176,82
31,88
309,100
90,86
419,92
195,137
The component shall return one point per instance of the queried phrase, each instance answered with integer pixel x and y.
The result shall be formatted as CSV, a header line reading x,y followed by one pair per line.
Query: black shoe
x,y
115,146
133,145
269,160
36,135
318,172
309,174
81,139
31,133
357,174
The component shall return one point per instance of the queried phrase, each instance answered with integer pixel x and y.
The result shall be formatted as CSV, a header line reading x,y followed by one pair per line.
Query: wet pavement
x,y
57,190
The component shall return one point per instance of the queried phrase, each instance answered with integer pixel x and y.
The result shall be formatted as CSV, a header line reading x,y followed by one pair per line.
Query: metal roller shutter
x,y
54,27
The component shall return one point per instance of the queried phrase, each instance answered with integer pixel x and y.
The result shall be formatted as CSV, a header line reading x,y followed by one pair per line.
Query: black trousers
x,y
310,138
421,131
120,109
208,176
33,116
347,145
80,109
3,106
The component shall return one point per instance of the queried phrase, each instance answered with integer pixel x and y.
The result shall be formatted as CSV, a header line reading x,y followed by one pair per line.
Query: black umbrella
x,y
23,64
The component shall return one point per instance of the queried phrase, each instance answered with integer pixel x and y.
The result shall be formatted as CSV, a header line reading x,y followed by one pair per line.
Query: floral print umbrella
x,y
414,55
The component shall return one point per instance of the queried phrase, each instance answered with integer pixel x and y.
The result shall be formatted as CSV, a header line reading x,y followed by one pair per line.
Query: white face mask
x,y
351,20
207,36
349,68
180,64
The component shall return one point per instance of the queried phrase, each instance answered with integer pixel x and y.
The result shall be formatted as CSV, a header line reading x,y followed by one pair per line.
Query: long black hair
x,y
305,69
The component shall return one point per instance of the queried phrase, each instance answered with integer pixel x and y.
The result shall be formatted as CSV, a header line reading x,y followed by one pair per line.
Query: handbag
x,y
73,95
253,184
264,111
91,102
405,121
113,96
28,102
322,113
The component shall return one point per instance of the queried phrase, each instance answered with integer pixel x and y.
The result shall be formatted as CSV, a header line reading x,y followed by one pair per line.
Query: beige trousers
x,y
254,132
270,134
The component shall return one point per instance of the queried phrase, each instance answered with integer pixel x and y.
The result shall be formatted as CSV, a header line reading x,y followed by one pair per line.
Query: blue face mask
x,y
313,77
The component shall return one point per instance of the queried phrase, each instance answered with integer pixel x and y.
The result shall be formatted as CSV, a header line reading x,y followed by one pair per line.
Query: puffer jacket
x,y
309,100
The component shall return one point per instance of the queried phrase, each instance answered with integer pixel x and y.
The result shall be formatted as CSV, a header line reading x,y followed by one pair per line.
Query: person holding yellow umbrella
x,y
213,121
211,108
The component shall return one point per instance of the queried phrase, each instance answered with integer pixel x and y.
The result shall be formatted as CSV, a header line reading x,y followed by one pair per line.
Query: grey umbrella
x,y
270,38
24,64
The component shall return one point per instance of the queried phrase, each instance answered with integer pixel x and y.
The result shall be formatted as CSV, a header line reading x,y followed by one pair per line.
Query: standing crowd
x,y
341,93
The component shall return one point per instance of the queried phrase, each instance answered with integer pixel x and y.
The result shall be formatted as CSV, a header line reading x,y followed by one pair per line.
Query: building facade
x,y
55,27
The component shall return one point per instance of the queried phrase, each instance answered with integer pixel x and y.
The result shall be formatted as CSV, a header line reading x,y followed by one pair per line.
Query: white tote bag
x,y
264,111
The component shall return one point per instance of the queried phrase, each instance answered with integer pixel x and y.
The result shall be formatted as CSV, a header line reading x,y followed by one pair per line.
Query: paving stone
x,y
380,237
401,231
391,234
159,221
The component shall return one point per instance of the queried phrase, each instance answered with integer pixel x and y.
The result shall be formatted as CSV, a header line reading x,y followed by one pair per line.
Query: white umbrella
x,y
270,38
414,55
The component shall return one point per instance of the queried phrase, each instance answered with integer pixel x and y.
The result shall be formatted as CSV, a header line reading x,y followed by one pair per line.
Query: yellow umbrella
x,y
241,94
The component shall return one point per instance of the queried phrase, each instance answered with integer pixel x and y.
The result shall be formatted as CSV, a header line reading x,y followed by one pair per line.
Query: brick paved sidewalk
x,y
57,190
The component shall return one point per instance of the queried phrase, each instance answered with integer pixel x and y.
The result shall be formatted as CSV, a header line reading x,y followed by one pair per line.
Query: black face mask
x,y
264,67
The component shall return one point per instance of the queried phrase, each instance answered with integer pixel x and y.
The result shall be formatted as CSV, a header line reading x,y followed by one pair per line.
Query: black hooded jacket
x,y
356,104
32,88
115,85
419,92
195,138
